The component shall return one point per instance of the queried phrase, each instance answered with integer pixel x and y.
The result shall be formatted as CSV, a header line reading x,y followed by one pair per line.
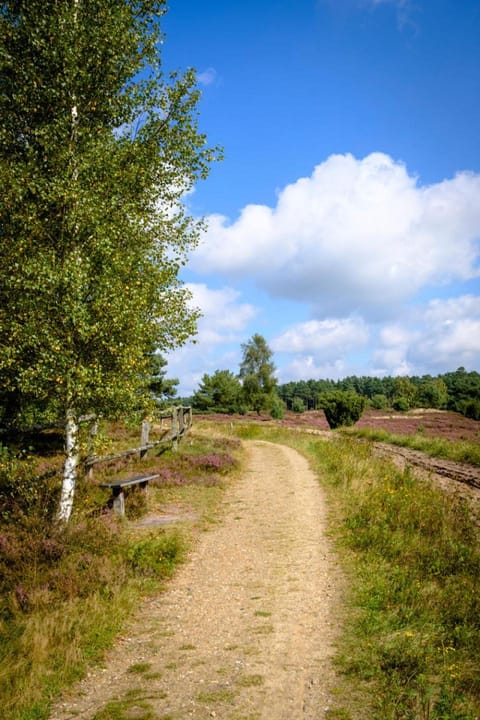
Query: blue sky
x,y
344,221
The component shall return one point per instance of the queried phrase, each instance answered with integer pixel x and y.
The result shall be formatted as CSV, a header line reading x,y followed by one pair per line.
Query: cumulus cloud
x,y
320,348
221,312
442,336
306,368
357,236
452,333
430,339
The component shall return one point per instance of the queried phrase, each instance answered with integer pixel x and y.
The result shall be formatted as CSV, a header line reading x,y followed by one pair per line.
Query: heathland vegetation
x,y
65,590
410,646
257,389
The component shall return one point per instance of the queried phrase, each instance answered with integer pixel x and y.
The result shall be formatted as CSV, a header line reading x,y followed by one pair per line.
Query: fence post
x,y
144,438
181,421
92,434
175,428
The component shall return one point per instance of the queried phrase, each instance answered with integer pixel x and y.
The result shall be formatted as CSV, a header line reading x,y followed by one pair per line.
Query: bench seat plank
x,y
126,482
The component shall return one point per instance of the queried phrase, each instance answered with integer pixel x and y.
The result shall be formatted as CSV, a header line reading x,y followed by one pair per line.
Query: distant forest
x,y
458,391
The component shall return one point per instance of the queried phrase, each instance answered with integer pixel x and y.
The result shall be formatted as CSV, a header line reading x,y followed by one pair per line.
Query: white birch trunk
x,y
71,428
72,457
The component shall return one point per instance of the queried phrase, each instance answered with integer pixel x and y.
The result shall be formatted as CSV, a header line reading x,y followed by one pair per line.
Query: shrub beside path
x,y
245,629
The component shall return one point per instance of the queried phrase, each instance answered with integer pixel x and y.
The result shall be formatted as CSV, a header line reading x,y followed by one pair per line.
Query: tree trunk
x,y
71,427
69,468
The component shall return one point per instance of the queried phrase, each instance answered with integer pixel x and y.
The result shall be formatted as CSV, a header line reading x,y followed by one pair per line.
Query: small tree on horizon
x,y
257,373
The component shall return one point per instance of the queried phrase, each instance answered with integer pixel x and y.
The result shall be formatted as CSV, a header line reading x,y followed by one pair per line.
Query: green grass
x,y
457,450
133,705
140,668
222,695
410,641
250,680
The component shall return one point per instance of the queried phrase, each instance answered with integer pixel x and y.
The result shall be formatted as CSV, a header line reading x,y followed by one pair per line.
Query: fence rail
x,y
167,427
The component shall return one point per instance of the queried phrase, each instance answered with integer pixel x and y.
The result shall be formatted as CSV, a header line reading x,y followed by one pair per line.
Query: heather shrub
x,y
64,591
44,563
212,462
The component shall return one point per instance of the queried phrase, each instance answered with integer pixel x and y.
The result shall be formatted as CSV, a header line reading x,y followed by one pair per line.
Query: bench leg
x,y
119,501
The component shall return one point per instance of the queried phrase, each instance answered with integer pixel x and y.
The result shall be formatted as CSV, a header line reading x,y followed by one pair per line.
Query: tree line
x,y
255,388
458,391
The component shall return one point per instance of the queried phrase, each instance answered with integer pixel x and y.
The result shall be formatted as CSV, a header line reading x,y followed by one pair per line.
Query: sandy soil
x,y
245,630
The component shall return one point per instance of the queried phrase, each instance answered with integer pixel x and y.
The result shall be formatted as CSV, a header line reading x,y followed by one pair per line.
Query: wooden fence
x,y
167,427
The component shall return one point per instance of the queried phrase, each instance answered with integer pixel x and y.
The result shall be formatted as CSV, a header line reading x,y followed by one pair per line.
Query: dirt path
x,y
246,628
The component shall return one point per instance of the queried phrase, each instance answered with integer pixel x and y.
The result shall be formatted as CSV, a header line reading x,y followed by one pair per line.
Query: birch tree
x,y
97,148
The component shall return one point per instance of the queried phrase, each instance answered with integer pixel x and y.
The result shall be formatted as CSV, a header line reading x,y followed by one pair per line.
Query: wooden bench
x,y
117,486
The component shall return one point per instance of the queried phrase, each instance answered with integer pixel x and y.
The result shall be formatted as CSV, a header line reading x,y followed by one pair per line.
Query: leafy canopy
x,y
97,148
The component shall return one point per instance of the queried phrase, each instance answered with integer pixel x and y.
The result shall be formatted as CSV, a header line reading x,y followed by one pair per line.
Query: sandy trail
x,y
245,630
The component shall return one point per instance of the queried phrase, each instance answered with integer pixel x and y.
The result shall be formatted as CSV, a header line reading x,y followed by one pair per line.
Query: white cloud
x,y
452,333
431,339
358,236
208,76
326,339
306,368
442,336
439,336
221,310
320,348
